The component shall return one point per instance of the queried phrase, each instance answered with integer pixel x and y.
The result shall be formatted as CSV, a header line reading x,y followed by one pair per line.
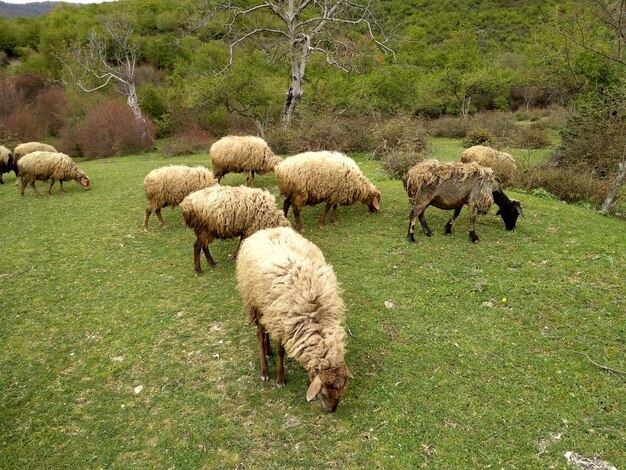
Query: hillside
x,y
13,10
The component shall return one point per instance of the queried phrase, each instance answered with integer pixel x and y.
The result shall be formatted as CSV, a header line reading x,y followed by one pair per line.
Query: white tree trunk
x,y
617,184
133,102
299,56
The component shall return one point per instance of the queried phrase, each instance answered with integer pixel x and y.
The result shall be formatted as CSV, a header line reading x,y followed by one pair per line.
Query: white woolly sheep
x,y
331,177
503,164
226,212
43,166
450,186
7,163
29,147
169,185
237,154
291,294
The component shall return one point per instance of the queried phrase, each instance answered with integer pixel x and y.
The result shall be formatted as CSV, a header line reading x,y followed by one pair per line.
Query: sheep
x,y
29,147
503,164
450,186
313,177
7,163
237,154
169,185
291,294
51,166
226,212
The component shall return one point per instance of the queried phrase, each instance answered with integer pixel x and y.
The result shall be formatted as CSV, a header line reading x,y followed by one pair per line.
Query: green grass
x,y
91,308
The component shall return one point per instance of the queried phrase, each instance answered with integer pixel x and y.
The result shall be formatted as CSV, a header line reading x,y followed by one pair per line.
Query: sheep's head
x,y
373,201
328,385
84,181
510,212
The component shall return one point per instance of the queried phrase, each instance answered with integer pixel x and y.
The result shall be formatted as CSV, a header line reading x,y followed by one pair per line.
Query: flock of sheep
x,y
288,289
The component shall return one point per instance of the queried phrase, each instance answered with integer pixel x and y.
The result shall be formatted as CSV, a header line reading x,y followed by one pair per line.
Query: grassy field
x,y
114,354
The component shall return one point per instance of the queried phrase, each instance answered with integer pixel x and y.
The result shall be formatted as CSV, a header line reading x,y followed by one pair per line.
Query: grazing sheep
x,y
450,186
226,212
331,177
51,166
237,154
291,294
29,147
7,163
169,185
503,164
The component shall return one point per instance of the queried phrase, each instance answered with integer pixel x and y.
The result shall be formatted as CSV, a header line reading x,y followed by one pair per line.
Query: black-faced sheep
x,y
29,147
169,185
291,294
450,186
43,166
331,177
237,154
7,163
226,212
503,164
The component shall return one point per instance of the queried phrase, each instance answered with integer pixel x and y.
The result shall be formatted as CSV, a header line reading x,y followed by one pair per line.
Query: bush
x,y
51,109
399,134
111,129
322,131
533,137
398,161
447,126
568,184
24,125
478,137
190,141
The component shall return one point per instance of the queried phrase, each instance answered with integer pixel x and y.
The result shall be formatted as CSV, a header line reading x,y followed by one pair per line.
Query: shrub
x,y
500,125
51,109
533,137
111,129
24,125
28,86
398,161
191,140
478,136
399,134
447,126
9,98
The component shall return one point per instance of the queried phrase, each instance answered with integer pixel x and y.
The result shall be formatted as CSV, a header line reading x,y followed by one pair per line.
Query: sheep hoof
x,y
447,230
474,237
410,237
280,384
265,378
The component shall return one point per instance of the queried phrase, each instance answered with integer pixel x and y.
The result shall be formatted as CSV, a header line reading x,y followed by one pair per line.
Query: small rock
x,y
586,463
138,389
118,359
389,304
487,304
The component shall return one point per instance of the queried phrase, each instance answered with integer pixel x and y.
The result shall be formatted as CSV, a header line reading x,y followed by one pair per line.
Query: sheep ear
x,y
518,208
314,388
376,202
348,373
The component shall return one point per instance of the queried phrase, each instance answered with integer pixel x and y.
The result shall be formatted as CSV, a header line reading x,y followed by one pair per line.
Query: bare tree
x,y
306,27
108,56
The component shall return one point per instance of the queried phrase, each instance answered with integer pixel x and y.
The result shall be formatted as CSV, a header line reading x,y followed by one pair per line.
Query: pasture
x,y
115,354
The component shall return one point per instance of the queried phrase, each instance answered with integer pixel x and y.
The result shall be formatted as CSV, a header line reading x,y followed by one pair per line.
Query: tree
x,y
108,56
305,27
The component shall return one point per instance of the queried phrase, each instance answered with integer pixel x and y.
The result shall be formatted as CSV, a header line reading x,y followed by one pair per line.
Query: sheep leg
x,y
448,227
145,219
250,176
267,345
280,370
238,246
158,214
61,183
324,212
473,213
296,215
35,188
260,336
207,254
411,231
24,184
1,182
50,188
286,205
334,215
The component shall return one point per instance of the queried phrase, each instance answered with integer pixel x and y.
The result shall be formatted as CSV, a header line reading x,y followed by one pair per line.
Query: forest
x,y
377,77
